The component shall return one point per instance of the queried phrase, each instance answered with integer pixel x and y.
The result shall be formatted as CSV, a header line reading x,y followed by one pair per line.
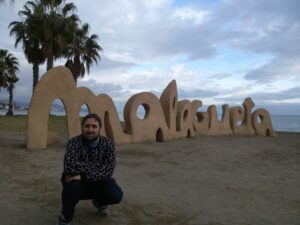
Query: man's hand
x,y
68,179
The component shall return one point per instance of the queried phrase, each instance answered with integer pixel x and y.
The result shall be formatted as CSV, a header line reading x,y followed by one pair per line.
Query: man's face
x,y
91,129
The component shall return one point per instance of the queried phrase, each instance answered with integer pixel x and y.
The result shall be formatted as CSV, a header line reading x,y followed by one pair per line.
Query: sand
x,y
199,181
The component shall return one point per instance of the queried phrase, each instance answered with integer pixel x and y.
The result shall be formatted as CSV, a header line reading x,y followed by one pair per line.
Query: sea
x,y
285,123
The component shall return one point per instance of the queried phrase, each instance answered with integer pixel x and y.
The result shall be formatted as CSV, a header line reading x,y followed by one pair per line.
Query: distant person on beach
x,y
88,167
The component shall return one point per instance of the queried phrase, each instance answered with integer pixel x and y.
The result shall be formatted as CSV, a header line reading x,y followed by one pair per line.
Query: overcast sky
x,y
218,51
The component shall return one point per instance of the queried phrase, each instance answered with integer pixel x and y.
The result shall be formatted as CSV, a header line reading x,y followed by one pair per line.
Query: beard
x,y
90,139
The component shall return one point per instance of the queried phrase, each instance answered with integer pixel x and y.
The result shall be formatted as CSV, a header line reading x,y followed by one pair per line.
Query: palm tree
x,y
29,33
3,77
59,23
82,52
11,86
9,65
45,31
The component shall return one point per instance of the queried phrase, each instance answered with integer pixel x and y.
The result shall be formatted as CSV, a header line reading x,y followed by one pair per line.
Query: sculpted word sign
x,y
165,117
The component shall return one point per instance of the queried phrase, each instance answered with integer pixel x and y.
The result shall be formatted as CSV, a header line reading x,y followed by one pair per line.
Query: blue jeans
x,y
105,192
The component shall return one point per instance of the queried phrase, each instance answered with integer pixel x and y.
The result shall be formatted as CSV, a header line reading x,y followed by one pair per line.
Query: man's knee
x,y
117,193
117,196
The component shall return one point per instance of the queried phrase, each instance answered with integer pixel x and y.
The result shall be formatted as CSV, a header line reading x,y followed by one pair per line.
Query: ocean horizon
x,y
286,123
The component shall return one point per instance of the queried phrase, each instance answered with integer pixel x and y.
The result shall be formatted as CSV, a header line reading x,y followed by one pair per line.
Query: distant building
x,y
3,105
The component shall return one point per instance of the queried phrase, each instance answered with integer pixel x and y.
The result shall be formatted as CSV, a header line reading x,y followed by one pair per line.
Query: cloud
x,y
113,90
281,40
146,32
219,51
253,28
264,27
267,97
23,90
196,94
276,69
289,94
197,17
219,76
114,61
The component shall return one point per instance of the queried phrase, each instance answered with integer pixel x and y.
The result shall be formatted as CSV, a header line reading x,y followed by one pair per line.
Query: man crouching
x,y
88,167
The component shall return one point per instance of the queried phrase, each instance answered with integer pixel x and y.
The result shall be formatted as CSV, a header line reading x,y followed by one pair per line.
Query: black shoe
x,y
103,210
62,220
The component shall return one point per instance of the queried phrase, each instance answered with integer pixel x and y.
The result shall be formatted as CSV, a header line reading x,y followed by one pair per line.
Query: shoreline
x,y
283,123
278,126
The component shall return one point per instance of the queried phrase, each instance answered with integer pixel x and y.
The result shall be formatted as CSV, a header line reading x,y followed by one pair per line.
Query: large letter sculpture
x,y
165,117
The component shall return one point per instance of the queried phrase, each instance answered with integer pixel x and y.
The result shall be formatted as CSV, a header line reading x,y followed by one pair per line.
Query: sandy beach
x,y
223,180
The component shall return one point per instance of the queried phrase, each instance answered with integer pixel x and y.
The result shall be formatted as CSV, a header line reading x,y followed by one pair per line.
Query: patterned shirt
x,y
90,163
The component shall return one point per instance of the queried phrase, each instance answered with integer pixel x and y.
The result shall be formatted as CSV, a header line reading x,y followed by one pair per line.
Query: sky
x,y
218,51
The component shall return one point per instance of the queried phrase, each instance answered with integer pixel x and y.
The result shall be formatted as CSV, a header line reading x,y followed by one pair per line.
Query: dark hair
x,y
91,115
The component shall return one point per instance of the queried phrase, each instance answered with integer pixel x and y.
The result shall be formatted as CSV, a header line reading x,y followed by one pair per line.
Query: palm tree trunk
x,y
49,63
75,78
10,111
76,68
35,70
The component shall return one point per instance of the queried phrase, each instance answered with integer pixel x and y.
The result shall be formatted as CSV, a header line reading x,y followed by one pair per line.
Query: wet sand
x,y
222,180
